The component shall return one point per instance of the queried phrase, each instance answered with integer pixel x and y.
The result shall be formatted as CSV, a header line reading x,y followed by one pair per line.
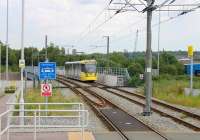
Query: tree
x,y
135,69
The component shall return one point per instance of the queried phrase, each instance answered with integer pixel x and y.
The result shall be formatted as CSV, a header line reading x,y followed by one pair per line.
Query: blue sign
x,y
47,70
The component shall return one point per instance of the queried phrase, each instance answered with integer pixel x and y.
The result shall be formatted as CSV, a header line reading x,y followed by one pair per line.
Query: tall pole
x,y
22,68
46,47
148,62
158,64
0,64
108,48
46,81
32,58
136,41
7,45
191,75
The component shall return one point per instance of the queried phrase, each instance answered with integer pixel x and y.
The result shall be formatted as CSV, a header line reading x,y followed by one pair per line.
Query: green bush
x,y
168,69
10,89
135,81
135,69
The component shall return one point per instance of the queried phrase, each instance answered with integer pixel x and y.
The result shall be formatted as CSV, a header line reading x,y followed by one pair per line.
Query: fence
x,y
113,76
36,119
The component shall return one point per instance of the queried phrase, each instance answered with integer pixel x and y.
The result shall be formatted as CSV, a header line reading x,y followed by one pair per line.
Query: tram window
x,y
83,68
90,67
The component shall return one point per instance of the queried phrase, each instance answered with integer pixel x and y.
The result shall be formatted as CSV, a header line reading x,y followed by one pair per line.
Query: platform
x,y
102,136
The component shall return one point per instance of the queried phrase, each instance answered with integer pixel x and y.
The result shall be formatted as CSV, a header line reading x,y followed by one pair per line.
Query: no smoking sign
x,y
46,90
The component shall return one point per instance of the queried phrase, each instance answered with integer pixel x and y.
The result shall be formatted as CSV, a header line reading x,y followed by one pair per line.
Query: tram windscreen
x,y
90,68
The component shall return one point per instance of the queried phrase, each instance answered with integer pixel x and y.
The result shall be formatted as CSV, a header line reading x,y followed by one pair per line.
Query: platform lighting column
x,y
158,63
7,45
22,68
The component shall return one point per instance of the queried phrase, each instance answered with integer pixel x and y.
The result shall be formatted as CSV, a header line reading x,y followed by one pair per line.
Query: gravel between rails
x,y
157,121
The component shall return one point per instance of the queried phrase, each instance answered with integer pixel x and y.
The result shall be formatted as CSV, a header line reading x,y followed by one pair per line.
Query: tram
x,y
84,70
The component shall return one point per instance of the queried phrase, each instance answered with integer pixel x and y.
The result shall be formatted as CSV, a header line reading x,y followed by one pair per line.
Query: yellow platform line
x,y
78,136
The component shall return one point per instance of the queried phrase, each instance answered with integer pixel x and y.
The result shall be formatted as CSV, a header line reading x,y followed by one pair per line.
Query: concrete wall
x,y
110,80
11,76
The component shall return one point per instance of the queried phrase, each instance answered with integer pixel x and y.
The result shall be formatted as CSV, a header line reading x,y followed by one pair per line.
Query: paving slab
x,y
147,136
40,136
3,101
78,136
184,136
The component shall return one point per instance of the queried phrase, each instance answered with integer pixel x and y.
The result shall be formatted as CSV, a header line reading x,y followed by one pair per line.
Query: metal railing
x,y
113,71
36,119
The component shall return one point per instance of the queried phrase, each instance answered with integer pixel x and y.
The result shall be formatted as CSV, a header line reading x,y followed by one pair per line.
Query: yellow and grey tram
x,y
84,70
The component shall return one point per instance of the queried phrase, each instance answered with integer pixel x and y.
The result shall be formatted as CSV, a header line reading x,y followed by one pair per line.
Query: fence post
x,y
82,123
39,116
35,125
0,127
79,114
8,125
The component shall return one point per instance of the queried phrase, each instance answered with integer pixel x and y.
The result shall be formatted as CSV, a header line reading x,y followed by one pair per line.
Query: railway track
x,y
164,104
179,115
115,118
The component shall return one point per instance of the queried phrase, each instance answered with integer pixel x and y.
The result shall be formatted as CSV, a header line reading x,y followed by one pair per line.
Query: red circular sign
x,y
46,88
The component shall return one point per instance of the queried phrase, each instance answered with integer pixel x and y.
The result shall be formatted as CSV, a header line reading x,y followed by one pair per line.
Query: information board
x,y
47,71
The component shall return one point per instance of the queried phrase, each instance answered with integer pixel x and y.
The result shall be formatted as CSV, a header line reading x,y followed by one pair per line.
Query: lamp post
x,y
7,45
22,67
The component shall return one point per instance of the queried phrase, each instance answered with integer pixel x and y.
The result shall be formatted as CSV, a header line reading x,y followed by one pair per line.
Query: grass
x,y
11,68
34,96
172,91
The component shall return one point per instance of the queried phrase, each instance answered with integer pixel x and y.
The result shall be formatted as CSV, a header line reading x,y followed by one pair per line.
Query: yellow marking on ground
x,y
78,136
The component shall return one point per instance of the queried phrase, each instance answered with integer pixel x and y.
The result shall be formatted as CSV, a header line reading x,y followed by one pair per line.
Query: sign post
x,y
190,55
47,71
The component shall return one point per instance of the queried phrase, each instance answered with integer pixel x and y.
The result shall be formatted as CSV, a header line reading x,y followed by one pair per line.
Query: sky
x,y
78,23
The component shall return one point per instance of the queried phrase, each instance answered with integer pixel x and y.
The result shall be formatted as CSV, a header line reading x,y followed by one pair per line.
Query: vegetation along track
x,y
113,117
179,115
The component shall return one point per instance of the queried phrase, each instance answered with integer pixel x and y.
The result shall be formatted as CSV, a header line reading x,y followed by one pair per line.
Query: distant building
x,y
184,60
74,51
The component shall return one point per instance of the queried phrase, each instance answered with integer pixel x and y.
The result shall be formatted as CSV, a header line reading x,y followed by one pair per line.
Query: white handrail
x,y
79,116
44,103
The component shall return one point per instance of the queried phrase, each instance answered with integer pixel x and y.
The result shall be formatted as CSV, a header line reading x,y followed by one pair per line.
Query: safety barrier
x,y
37,119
